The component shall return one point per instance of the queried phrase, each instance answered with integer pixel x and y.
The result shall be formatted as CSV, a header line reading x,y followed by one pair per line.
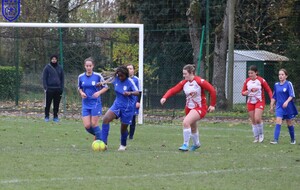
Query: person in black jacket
x,y
53,83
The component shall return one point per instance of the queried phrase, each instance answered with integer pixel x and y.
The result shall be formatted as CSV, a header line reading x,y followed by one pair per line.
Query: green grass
x,y
38,155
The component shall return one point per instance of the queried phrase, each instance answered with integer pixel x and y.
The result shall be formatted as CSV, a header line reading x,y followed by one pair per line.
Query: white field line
x,y
203,152
157,175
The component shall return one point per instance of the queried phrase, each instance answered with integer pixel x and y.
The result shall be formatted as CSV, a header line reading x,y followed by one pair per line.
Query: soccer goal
x,y
28,46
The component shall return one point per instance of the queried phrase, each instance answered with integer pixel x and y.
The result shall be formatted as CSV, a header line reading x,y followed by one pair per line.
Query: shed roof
x,y
257,55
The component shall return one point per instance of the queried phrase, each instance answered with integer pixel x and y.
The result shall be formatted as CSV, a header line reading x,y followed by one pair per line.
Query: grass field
x,y
39,155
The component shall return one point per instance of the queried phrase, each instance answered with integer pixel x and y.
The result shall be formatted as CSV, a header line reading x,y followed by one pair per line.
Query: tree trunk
x,y
63,11
220,56
63,15
194,22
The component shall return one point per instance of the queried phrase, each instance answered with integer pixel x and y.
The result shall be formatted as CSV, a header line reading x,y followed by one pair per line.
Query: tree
x,y
167,43
290,21
195,19
258,25
219,62
38,43
125,47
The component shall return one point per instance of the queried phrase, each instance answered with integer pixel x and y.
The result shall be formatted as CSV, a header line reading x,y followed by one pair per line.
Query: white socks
x,y
260,128
186,136
255,131
195,137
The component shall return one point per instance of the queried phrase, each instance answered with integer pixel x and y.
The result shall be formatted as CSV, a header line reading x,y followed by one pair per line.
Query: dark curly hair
x,y
122,69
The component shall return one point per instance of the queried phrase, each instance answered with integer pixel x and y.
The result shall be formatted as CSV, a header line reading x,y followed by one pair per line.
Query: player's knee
x,y
186,124
87,126
289,122
94,124
106,120
257,121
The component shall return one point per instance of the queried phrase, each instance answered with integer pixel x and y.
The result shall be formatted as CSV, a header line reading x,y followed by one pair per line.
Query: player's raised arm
x,y
172,91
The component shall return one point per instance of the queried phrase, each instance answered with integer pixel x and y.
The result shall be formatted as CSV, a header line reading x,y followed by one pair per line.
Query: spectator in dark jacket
x,y
53,82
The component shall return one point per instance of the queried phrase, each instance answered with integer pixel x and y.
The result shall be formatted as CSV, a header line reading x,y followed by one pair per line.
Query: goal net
x,y
25,49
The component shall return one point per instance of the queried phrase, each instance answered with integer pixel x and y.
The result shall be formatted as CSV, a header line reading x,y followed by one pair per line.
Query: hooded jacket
x,y
53,76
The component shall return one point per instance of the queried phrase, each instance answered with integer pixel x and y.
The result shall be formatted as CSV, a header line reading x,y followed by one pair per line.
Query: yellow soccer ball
x,y
98,146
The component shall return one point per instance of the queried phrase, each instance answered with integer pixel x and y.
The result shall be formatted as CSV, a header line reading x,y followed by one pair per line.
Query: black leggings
x,y
54,95
132,127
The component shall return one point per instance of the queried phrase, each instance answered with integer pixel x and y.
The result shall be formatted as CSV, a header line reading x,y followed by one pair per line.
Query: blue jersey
x,y
88,86
121,87
281,93
136,82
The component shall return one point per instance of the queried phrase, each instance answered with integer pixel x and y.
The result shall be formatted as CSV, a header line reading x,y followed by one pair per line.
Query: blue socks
x,y
292,132
98,133
124,138
105,132
90,130
277,132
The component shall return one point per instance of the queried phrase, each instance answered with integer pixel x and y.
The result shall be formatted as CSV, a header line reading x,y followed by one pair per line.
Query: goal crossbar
x,y
70,25
140,27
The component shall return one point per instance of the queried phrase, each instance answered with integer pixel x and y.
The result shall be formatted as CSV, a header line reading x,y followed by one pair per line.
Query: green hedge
x,y
9,82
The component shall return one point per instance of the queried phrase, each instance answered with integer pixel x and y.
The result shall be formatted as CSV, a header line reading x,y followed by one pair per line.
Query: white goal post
x,y
140,27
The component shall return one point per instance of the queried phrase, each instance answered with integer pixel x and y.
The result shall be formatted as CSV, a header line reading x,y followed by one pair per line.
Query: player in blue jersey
x,y
123,106
91,98
135,79
285,108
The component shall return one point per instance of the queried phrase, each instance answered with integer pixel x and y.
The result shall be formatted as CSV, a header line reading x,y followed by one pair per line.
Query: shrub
x,y
10,82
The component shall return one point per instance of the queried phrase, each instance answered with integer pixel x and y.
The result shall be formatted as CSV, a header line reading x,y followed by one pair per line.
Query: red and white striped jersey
x,y
194,91
256,90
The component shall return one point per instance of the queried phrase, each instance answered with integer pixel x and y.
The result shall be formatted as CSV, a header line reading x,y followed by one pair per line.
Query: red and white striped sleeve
x,y
174,90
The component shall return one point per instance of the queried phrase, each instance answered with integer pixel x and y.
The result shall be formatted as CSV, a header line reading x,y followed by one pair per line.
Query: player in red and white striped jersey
x,y
196,108
255,87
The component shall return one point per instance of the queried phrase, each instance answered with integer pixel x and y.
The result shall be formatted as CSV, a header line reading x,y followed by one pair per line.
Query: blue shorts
x,y
280,112
97,111
136,111
124,114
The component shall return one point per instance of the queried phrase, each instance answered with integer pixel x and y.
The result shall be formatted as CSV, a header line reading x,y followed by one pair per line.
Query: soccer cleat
x,y
261,138
274,142
56,119
184,147
256,140
293,141
46,119
122,148
194,147
105,149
